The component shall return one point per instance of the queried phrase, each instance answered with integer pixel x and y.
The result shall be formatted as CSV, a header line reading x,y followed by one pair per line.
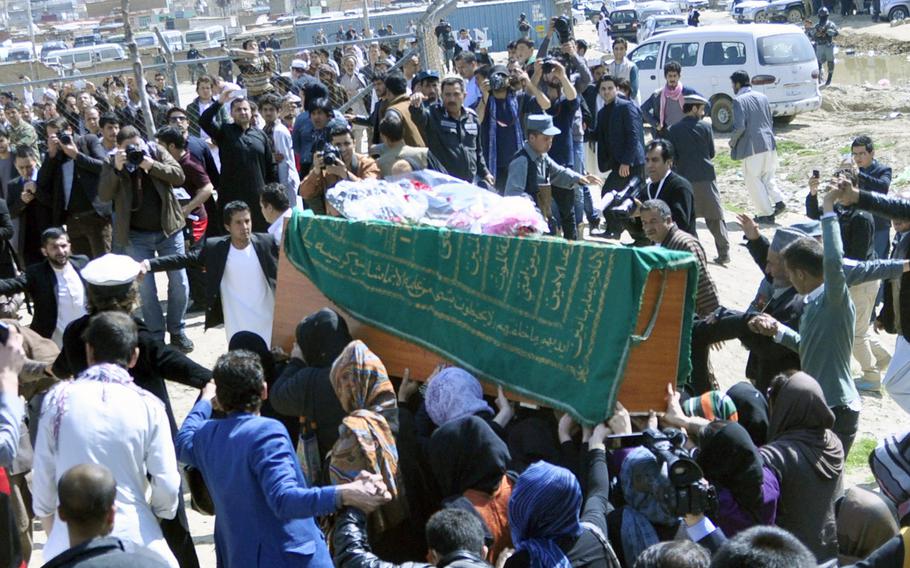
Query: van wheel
x,y
784,120
794,15
899,13
722,114
761,18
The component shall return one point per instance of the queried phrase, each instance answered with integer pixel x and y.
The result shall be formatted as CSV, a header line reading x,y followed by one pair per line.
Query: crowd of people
x,y
318,457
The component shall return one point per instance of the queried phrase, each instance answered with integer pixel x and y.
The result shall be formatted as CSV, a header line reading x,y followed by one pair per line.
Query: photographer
x,y
148,221
69,179
505,101
337,161
28,207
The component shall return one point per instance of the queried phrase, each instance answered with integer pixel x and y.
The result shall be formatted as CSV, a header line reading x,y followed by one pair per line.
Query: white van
x,y
83,57
174,40
145,40
779,59
210,36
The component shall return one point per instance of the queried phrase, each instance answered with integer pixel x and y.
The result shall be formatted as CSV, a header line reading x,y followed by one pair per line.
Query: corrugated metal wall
x,y
499,18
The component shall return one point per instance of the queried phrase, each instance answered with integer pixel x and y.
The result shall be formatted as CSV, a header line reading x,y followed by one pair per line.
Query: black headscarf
x,y
466,454
255,343
729,459
752,408
802,421
322,336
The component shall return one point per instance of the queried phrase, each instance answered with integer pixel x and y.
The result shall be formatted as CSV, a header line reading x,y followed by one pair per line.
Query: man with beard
x,y
452,132
664,107
428,85
55,285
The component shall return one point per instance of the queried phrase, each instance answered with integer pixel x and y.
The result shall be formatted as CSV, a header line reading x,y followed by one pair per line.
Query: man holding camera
x,y
32,211
452,132
69,178
336,162
148,221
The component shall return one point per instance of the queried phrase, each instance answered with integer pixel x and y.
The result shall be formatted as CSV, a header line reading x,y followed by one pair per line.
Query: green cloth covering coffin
x,y
548,318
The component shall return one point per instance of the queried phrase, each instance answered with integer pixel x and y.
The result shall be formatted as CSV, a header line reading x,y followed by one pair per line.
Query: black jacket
x,y
886,315
352,547
619,136
34,217
7,260
877,178
213,256
857,228
40,283
677,193
693,144
86,172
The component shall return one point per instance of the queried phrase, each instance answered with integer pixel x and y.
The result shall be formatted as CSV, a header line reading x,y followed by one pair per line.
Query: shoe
x,y
764,219
722,259
868,386
182,343
779,207
593,225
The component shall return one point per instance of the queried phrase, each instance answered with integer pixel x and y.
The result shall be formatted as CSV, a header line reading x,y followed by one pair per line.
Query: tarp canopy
x,y
551,319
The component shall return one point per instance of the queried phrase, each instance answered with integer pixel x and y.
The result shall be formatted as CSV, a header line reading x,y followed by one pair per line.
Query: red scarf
x,y
668,93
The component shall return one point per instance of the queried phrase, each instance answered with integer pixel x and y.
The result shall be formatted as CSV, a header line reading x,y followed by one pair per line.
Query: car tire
x,y
760,18
794,15
722,113
784,120
899,13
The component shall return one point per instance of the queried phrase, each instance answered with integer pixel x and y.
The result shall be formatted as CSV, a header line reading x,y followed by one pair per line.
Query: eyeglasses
x,y
177,119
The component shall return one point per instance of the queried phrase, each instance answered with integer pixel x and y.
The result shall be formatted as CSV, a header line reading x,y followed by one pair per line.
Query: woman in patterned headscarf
x,y
366,439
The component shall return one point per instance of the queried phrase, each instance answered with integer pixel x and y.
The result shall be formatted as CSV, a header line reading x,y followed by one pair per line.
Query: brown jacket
x,y
412,136
706,300
312,188
166,174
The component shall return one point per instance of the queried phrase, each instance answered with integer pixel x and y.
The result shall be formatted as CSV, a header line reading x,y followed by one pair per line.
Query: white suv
x,y
896,9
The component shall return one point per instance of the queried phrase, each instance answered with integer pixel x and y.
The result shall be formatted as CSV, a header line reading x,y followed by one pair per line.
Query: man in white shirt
x,y
241,270
275,208
282,145
55,286
103,417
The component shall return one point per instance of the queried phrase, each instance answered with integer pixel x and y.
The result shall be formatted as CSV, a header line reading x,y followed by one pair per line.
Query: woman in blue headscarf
x,y
549,527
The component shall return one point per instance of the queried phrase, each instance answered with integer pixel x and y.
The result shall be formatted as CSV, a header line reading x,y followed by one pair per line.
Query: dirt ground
x,y
815,140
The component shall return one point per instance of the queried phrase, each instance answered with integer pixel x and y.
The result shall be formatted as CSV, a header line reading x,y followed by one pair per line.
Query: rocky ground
x,y
813,141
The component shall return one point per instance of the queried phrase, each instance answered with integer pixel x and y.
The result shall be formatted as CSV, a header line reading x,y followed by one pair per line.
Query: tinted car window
x,y
784,49
623,16
684,53
724,53
645,57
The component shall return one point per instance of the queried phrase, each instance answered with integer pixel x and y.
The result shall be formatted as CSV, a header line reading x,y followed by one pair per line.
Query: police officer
x,y
428,84
452,132
825,32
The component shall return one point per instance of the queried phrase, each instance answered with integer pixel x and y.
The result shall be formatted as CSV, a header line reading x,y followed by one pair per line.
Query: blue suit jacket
x,y
619,140
264,508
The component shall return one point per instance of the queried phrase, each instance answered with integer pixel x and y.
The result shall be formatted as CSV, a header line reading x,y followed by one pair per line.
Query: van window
x,y
85,57
645,57
195,37
146,41
724,53
784,49
686,54
622,17
110,53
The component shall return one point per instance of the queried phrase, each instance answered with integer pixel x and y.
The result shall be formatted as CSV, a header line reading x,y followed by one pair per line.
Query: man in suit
x,y
752,141
618,135
693,142
69,179
671,188
54,285
267,501
873,176
241,269
28,207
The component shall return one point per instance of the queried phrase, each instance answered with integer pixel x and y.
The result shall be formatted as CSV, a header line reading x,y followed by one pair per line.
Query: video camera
x,y
331,156
563,30
620,204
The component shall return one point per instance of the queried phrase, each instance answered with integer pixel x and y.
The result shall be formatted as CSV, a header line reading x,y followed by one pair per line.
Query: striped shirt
x,y
257,72
706,301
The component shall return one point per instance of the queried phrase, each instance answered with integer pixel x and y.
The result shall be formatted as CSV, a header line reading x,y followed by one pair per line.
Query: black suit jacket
x,y
34,217
886,315
212,256
677,193
86,172
40,283
7,262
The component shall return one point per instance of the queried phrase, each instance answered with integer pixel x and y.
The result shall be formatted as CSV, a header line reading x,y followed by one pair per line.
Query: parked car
x,y
896,9
779,59
50,47
660,24
20,52
87,39
656,8
625,24
84,57
210,36
762,11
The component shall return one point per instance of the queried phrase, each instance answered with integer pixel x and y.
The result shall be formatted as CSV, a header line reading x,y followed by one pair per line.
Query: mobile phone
x,y
815,174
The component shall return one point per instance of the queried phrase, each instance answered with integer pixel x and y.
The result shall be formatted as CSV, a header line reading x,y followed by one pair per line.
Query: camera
x,y
331,156
620,206
561,25
134,154
498,82
687,494
65,138
547,65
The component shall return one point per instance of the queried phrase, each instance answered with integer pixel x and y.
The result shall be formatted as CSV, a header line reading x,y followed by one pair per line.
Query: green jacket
x,y
115,186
